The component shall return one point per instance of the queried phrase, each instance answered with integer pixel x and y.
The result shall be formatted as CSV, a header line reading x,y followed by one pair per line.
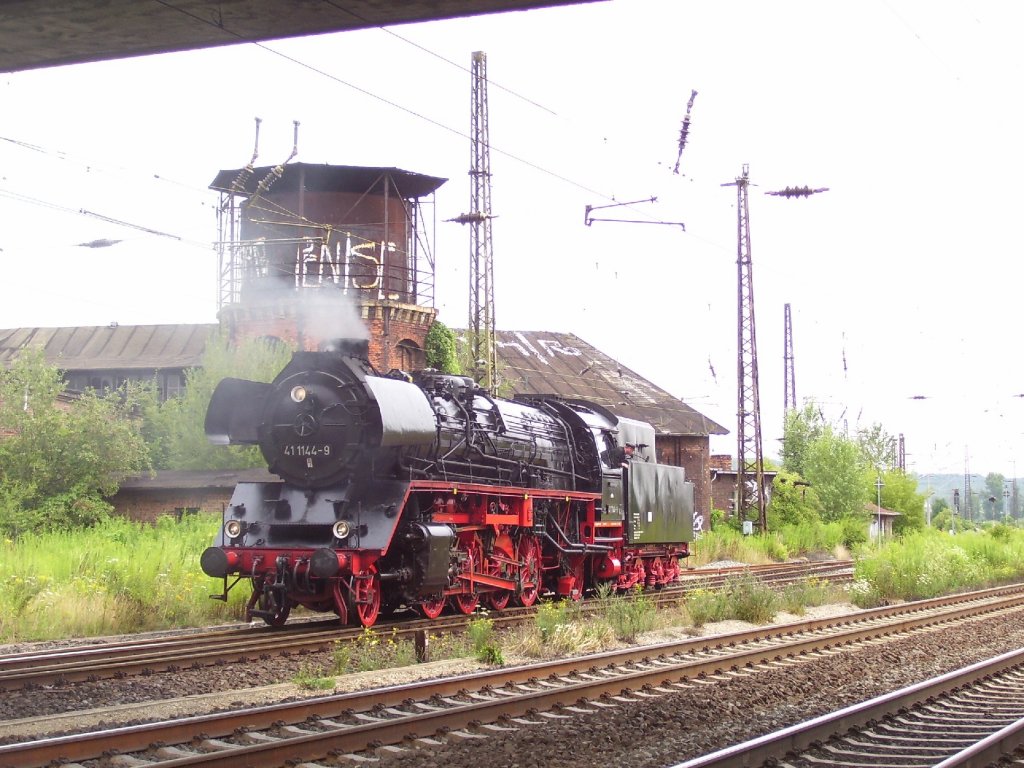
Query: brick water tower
x,y
310,253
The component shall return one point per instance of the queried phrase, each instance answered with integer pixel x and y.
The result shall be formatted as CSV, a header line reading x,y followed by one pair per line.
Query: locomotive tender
x,y
425,491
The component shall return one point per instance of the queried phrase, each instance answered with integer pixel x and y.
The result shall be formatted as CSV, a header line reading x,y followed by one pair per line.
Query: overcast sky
x,y
904,278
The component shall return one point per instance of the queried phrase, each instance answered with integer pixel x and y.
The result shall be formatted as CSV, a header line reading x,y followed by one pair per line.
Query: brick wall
x,y
388,324
723,490
692,454
392,324
147,505
721,462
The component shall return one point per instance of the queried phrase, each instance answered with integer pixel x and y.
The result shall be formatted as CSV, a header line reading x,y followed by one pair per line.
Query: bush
x,y
61,456
930,563
441,349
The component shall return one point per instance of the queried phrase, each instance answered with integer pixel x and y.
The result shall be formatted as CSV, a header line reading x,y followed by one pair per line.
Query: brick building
x,y
723,484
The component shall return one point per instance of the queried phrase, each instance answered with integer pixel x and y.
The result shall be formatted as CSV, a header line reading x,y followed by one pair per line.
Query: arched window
x,y
410,356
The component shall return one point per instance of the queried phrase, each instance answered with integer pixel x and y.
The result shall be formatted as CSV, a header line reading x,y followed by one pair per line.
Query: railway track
x,y
125,658
971,717
421,716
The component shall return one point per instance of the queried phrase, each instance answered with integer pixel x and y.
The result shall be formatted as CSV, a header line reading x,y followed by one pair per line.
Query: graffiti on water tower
x,y
358,265
350,262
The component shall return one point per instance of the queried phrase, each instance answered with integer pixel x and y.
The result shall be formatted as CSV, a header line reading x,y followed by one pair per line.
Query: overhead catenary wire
x,y
93,214
389,102
436,55
517,158
104,166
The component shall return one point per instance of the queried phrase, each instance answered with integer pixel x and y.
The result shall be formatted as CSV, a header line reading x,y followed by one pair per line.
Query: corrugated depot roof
x,y
534,362
103,347
542,363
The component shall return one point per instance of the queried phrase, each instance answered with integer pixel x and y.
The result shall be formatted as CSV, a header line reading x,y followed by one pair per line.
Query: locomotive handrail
x,y
577,548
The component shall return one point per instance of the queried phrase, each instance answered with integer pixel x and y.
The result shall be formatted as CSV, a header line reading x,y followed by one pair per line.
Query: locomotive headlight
x,y
342,529
233,529
298,394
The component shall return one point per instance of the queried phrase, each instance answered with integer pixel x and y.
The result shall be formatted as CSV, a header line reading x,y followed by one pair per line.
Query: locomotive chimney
x,y
352,347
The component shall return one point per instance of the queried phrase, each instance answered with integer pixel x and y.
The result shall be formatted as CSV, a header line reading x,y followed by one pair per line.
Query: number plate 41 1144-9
x,y
303,449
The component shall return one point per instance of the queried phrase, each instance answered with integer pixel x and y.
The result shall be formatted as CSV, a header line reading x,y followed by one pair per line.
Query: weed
x,y
810,592
706,606
372,650
446,645
750,600
313,679
630,615
554,614
484,640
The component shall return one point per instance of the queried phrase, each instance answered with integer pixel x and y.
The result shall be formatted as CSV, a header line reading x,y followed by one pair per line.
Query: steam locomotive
x,y
424,491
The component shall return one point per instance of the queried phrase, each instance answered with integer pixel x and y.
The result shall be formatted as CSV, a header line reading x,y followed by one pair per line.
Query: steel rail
x,y
659,668
792,741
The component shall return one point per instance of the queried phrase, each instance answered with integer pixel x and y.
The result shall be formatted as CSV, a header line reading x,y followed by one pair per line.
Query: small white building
x,y
880,517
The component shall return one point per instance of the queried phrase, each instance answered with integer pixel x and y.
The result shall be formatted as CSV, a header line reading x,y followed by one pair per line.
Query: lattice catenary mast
x,y
750,484
481,255
750,494
789,383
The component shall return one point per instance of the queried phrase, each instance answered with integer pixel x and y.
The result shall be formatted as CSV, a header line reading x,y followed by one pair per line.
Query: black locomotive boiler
x,y
425,491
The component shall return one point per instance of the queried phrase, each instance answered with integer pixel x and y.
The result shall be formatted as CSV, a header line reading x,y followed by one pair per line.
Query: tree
x,y
793,502
800,430
939,504
441,349
877,446
175,429
59,455
834,467
994,486
832,463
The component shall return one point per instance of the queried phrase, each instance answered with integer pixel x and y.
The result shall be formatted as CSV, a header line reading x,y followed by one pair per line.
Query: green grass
x,y
123,577
932,563
117,577
790,541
